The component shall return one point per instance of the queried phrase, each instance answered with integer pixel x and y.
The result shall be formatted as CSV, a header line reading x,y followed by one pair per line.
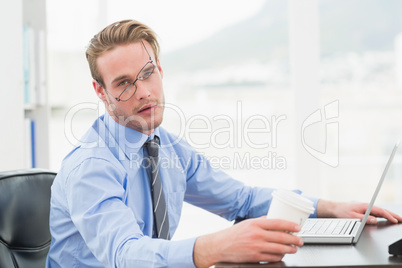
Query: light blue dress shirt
x,y
101,206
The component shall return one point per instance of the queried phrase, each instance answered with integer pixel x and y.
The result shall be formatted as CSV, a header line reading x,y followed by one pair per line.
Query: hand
x,y
354,210
251,240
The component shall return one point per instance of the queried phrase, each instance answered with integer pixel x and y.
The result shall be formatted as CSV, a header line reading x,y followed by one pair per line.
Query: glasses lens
x,y
128,92
146,71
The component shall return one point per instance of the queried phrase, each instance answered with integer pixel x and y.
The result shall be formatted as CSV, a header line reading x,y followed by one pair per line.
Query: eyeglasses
x,y
143,74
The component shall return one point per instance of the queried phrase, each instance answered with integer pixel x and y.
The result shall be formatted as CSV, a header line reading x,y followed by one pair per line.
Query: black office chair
x,y
24,217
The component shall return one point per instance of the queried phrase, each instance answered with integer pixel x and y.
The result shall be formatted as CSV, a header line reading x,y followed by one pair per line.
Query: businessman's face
x,y
119,68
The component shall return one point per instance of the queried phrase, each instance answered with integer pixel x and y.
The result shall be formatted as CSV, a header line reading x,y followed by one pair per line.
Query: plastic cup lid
x,y
295,200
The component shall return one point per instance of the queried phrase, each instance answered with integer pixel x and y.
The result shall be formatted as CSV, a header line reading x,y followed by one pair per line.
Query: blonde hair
x,y
118,33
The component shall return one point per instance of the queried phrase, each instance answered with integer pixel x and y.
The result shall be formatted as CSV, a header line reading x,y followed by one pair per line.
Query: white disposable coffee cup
x,y
290,206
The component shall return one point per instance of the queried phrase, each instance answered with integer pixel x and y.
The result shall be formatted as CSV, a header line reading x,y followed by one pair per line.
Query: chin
x,y
148,128
155,124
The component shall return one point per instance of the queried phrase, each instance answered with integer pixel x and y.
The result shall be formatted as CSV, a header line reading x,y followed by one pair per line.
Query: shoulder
x,y
95,162
94,147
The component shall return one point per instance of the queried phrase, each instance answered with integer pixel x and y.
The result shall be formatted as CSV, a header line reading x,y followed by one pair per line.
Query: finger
x,y
285,238
276,248
371,220
379,212
267,257
389,216
269,248
279,225
396,216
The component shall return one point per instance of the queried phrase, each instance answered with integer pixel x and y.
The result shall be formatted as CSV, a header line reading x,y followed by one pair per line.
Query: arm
x,y
329,209
114,224
252,240
217,192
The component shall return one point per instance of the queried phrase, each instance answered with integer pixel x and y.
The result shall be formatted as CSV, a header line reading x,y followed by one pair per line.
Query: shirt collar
x,y
129,140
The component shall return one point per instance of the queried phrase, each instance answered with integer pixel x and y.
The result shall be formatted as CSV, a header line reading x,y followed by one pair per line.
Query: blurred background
x,y
278,93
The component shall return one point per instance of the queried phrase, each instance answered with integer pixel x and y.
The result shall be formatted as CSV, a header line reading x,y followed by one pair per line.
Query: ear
x,y
158,64
100,92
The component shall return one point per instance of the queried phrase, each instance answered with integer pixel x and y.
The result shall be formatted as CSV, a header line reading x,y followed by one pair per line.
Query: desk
x,y
370,251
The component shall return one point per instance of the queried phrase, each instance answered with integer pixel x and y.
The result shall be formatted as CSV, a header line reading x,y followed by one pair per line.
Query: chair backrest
x,y
24,217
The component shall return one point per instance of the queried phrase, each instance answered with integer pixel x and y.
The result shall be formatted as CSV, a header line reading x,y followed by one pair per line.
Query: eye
x,y
146,73
123,83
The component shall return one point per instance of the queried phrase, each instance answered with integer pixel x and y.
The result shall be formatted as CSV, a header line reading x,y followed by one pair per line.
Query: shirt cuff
x,y
181,253
315,202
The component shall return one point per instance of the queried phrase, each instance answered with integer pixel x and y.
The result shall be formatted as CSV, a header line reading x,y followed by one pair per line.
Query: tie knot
x,y
152,147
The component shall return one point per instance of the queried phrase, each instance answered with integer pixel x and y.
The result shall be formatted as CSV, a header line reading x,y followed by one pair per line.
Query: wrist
x,y
205,253
325,209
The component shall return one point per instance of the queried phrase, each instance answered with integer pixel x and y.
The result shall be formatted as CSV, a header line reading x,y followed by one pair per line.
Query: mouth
x,y
147,108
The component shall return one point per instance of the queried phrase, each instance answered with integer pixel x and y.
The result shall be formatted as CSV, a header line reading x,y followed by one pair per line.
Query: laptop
x,y
337,230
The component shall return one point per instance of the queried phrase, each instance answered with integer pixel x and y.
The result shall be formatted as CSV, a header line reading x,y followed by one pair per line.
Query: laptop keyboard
x,y
326,227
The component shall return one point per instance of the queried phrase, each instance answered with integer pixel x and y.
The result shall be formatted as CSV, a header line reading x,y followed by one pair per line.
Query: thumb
x,y
371,220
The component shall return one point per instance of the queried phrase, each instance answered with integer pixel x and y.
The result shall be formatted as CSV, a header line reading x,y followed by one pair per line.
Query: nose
x,y
142,91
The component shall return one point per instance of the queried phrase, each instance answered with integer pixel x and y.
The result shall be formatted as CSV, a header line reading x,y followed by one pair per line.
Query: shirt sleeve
x,y
217,192
95,200
214,190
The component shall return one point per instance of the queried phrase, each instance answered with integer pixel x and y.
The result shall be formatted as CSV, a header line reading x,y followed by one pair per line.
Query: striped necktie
x,y
161,220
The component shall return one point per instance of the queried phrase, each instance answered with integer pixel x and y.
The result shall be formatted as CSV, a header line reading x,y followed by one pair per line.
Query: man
x,y
104,211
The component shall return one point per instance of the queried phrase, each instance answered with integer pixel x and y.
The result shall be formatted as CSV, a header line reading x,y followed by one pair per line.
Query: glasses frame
x,y
137,78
